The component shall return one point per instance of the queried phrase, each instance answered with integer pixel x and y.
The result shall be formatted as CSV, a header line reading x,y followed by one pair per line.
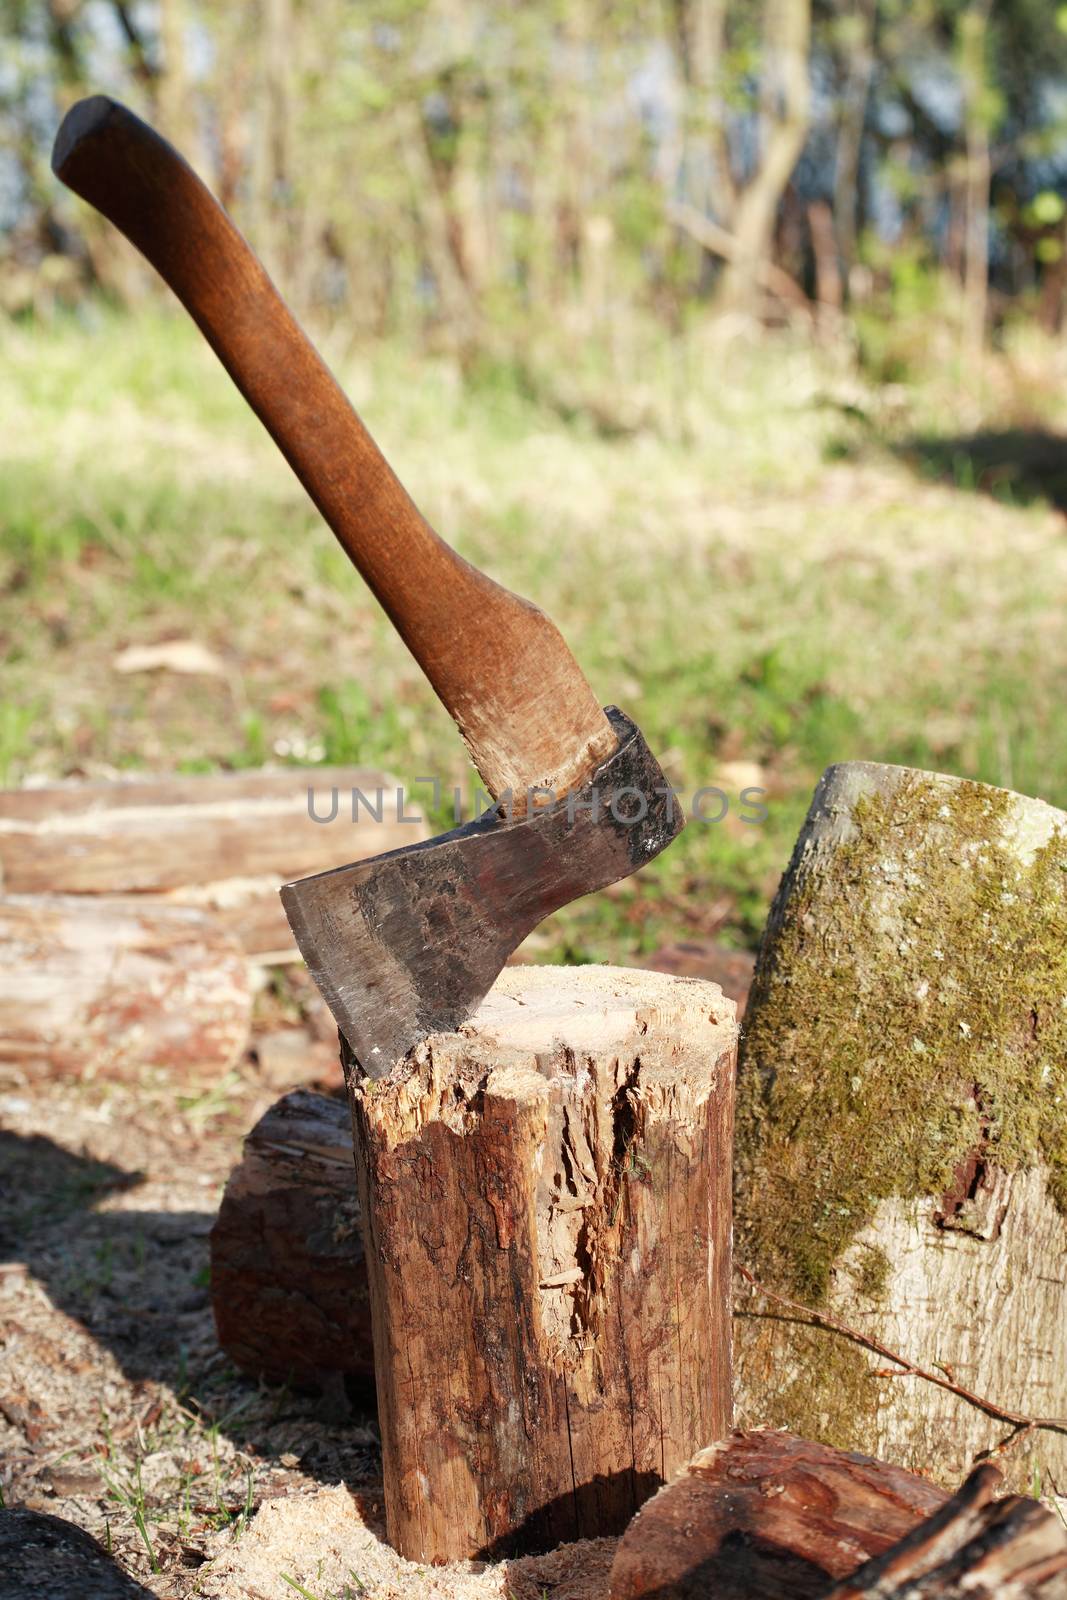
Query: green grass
x,y
763,581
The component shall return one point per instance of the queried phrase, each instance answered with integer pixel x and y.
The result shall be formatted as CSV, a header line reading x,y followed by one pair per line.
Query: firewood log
x,y
107,985
223,842
44,1555
974,1548
767,1516
288,1279
902,1125
545,1200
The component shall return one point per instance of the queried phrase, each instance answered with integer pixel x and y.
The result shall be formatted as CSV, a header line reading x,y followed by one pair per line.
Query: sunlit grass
x,y
753,575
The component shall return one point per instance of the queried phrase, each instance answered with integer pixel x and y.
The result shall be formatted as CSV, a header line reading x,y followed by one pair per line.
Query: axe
x,y
408,943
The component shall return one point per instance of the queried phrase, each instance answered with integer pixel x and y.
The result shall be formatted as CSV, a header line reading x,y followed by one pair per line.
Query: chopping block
x,y
545,1197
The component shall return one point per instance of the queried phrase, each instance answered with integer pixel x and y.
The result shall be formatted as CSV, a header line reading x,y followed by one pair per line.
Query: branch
x,y
727,248
1017,1420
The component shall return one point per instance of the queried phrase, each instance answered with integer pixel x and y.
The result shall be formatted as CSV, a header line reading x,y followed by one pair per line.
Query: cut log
x,y
107,985
768,1516
288,1279
902,1125
974,1548
223,842
546,1211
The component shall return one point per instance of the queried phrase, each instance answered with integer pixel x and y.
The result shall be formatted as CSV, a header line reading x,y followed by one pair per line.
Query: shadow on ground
x,y
1021,466
137,1281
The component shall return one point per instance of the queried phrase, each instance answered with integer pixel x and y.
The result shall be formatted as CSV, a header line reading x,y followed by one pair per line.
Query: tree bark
x,y
902,1126
44,1555
767,1516
106,986
288,1278
223,843
856,25
546,1212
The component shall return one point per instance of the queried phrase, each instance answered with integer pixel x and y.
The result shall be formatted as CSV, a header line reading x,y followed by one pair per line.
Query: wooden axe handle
x,y
500,666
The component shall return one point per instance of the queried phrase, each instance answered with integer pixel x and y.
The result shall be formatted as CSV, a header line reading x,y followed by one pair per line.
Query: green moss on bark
x,y
911,1013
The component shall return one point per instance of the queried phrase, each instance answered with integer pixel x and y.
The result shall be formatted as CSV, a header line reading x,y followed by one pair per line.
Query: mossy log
x,y
902,1124
546,1205
767,1516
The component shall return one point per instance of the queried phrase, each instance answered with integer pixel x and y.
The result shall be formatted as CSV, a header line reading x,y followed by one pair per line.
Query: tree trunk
x,y
106,986
787,36
902,1125
856,25
974,30
547,1229
828,290
288,1278
766,1516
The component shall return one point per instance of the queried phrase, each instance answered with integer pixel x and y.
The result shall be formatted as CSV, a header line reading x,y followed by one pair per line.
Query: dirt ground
x,y
118,1410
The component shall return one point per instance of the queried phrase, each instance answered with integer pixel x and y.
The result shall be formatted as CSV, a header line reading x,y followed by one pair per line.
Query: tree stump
x,y
288,1279
902,1124
546,1204
767,1516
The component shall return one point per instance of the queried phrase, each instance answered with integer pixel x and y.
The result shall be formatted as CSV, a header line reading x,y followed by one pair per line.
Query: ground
x,y
785,565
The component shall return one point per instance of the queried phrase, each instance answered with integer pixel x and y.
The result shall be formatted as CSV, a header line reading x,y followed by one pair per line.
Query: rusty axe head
x,y
409,943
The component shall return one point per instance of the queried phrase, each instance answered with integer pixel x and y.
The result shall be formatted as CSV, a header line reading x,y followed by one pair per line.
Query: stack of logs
x,y
129,912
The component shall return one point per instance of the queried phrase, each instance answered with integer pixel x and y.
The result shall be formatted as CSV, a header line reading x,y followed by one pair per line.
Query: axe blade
x,y
409,943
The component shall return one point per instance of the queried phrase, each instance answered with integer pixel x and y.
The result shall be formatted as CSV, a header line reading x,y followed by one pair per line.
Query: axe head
x,y
409,943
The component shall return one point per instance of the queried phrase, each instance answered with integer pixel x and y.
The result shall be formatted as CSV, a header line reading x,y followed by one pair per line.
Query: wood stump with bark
x,y
546,1203
767,1516
902,1126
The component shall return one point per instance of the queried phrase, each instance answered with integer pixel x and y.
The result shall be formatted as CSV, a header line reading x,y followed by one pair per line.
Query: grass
x,y
766,582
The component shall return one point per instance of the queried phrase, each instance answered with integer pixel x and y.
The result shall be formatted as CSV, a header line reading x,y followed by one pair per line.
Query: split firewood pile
x,y
133,915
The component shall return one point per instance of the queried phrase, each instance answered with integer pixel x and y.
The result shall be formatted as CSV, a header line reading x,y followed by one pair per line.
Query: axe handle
x,y
500,666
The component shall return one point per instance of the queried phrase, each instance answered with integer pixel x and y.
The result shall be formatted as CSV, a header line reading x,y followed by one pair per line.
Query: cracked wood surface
x,y
546,1204
767,1516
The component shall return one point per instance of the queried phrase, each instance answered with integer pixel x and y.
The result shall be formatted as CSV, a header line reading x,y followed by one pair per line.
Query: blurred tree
x,y
534,179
